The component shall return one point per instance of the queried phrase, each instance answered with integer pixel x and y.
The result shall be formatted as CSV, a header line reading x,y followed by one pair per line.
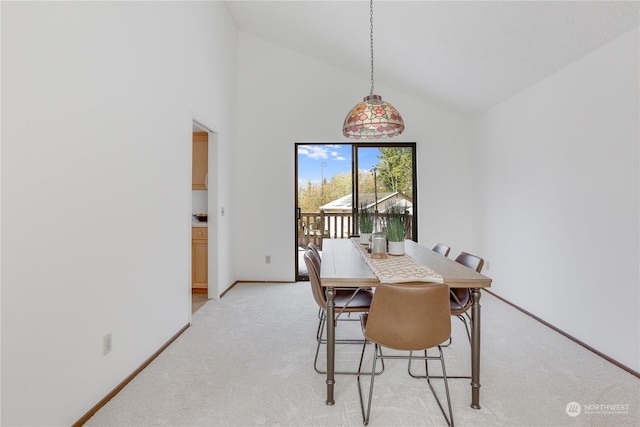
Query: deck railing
x,y
314,226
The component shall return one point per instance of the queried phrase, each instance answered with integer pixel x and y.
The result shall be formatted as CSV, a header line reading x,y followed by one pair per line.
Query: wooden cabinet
x,y
199,163
199,258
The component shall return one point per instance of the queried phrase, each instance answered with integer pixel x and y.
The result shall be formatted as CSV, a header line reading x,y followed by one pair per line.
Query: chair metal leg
x,y
446,387
341,341
451,377
322,321
466,327
365,415
426,357
323,317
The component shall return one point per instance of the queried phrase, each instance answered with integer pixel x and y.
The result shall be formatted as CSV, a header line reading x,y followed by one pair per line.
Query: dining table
x,y
345,265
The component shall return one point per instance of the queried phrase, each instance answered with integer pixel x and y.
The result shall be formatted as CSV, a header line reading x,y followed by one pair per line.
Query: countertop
x,y
196,223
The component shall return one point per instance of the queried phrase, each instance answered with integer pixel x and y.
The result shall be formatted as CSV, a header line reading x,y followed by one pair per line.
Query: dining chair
x,y
317,258
347,301
441,248
460,298
407,317
459,303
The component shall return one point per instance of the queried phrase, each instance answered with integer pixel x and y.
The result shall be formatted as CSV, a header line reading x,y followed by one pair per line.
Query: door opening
x,y
333,181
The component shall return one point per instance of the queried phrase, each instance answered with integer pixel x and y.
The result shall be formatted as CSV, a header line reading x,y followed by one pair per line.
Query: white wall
x,y
286,97
557,199
97,106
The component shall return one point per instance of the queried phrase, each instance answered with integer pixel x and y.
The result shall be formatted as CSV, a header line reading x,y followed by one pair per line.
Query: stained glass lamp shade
x,y
373,118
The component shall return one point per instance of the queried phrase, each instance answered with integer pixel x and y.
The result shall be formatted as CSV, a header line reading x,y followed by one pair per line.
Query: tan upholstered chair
x,y
441,248
407,317
347,301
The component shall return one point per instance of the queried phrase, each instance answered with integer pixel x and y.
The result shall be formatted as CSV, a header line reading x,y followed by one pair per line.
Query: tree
x,y
365,181
312,196
309,197
395,169
339,186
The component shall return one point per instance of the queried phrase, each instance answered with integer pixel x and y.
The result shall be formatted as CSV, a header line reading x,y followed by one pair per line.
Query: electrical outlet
x,y
267,259
106,344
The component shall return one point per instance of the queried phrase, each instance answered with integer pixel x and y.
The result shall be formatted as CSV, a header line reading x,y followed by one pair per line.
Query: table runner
x,y
398,269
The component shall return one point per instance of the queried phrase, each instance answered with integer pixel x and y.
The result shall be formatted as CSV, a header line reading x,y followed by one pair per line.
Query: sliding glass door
x,y
333,181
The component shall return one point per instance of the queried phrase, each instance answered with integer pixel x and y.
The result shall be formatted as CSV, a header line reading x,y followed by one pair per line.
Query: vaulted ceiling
x,y
463,55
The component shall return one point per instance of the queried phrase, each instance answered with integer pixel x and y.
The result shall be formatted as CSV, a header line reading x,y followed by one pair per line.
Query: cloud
x,y
314,151
321,152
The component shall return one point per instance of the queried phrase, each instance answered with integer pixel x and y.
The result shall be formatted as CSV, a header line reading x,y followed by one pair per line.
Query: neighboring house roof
x,y
343,204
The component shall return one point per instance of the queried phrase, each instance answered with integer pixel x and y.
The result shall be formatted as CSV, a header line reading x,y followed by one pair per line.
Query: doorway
x,y
333,181
203,283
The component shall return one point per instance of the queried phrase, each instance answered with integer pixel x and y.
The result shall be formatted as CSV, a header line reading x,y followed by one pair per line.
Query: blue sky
x,y
316,161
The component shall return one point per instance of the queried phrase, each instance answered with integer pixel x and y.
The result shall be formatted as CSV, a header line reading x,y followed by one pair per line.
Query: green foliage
x,y
365,219
396,222
340,185
365,181
395,169
312,196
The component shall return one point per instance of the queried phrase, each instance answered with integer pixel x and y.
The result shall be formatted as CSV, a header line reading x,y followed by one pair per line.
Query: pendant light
x,y
372,118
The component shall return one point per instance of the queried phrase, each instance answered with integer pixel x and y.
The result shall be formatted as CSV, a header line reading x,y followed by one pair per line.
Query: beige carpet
x,y
247,360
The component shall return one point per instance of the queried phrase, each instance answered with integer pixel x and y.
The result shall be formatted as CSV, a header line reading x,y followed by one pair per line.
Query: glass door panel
x,y
324,189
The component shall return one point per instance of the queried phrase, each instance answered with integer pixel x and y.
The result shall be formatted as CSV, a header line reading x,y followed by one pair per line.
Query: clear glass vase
x,y
378,245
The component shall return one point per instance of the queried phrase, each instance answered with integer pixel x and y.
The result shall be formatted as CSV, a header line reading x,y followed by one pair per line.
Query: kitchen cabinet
x,y
199,258
199,168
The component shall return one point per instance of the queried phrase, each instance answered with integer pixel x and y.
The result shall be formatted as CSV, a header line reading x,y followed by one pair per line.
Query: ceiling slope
x,y
462,55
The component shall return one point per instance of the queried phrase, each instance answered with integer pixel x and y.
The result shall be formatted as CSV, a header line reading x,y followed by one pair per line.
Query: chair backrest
x,y
313,266
464,297
315,257
315,250
442,249
472,261
409,316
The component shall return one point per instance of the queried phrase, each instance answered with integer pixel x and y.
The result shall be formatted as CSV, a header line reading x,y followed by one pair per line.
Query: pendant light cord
x,y
372,118
371,41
